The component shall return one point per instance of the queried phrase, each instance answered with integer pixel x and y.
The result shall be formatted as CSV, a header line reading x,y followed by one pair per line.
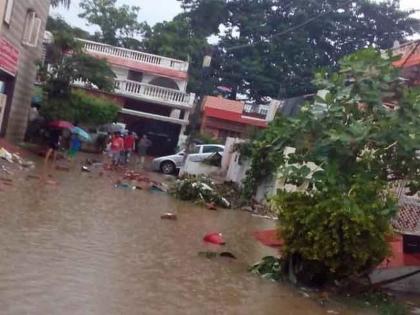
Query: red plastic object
x,y
269,238
214,238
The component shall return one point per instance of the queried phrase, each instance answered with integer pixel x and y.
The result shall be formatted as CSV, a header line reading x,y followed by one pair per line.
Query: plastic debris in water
x,y
211,206
85,169
214,238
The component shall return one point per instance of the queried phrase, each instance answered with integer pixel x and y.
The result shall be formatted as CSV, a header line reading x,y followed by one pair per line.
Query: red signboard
x,y
9,56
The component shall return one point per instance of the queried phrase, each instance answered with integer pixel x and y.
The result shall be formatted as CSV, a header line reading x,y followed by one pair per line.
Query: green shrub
x,y
337,228
81,107
338,235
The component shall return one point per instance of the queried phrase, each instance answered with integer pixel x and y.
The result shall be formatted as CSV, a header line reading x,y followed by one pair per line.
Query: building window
x,y
32,29
8,11
212,149
135,76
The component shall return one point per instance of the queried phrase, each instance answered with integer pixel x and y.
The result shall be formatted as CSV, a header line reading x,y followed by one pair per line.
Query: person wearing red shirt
x,y
129,142
117,147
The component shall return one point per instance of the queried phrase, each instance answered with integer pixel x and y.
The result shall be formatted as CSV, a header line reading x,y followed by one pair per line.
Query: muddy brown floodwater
x,y
85,247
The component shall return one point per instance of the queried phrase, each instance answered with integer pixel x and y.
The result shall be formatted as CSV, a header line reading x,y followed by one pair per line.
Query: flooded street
x,y
85,247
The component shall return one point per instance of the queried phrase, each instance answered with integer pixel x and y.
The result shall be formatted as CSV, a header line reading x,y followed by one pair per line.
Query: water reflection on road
x,y
84,247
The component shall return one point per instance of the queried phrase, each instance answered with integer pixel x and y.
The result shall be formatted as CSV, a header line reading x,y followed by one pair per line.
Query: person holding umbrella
x,y
53,145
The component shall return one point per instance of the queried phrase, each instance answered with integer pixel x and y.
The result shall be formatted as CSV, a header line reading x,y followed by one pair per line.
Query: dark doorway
x,y
163,135
6,88
135,76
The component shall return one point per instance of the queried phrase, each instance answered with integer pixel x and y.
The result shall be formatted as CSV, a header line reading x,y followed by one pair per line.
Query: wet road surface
x,y
85,247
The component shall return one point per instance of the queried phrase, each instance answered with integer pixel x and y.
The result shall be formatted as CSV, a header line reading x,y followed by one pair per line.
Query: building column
x,y
175,113
182,139
2,8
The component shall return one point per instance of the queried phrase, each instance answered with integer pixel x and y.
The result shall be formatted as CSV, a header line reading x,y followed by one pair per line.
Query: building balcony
x,y
406,48
150,93
169,119
137,60
259,112
155,94
410,54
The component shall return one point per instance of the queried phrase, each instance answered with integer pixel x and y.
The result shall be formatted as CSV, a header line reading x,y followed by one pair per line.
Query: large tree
x,y
118,26
178,39
58,25
68,63
272,47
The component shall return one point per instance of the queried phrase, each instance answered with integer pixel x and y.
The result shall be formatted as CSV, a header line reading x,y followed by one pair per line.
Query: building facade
x,y
224,118
151,91
409,62
22,25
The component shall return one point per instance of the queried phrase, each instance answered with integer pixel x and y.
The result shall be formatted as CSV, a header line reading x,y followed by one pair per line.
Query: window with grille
x,y
8,12
32,29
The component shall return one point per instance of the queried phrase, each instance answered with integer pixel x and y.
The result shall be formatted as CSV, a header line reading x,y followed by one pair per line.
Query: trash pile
x,y
200,189
14,158
137,181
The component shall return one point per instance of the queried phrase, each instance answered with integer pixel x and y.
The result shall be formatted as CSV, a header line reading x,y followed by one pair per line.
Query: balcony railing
x,y
152,93
134,55
407,48
255,111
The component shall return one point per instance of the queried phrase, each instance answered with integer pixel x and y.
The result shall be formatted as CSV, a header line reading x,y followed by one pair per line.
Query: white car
x,y
171,163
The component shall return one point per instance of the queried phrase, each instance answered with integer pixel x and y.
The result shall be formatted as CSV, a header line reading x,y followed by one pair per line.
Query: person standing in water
x,y
129,143
117,147
75,145
144,144
53,146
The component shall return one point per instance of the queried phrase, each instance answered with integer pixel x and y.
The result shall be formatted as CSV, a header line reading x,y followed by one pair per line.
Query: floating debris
x,y
51,182
85,169
199,188
211,206
169,216
227,255
214,238
211,254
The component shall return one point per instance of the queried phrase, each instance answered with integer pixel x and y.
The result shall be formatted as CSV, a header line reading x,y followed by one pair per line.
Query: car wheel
x,y
167,167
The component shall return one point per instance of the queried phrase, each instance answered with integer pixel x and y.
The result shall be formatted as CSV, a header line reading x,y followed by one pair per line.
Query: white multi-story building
x,y
151,91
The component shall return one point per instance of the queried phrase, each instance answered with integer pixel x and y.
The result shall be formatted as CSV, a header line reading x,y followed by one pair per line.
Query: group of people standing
x,y
121,147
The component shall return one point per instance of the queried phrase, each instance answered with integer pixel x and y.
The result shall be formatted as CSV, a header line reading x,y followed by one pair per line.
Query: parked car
x,y
171,163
